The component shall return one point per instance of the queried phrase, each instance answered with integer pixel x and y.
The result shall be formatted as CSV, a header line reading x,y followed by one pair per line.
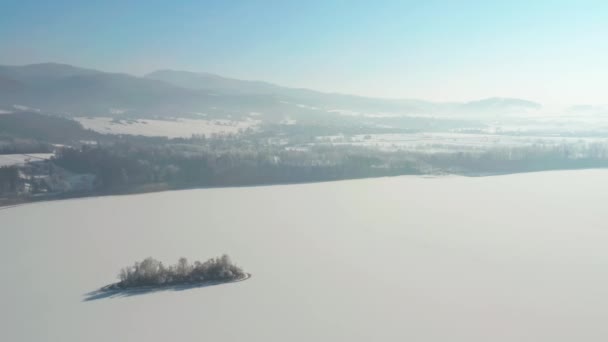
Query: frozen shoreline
x,y
159,188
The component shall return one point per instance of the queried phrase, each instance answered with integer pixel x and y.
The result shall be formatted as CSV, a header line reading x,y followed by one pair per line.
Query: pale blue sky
x,y
549,51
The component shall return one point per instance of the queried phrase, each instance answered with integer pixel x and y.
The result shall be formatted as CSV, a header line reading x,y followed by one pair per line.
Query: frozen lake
x,y
507,258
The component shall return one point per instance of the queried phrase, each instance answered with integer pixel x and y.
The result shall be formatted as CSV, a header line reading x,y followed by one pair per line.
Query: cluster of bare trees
x,y
151,272
9,179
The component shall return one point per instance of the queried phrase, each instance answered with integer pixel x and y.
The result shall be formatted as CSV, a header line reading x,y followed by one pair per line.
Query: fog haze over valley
x,y
51,87
64,90
106,133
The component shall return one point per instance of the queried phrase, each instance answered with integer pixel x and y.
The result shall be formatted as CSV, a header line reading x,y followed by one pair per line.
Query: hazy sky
x,y
550,51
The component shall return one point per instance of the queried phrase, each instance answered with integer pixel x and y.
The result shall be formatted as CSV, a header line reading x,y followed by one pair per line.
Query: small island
x,y
151,273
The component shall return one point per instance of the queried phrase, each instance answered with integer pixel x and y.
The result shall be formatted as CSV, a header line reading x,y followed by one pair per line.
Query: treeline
x,y
538,157
134,165
41,127
235,162
10,145
9,180
31,132
130,164
151,272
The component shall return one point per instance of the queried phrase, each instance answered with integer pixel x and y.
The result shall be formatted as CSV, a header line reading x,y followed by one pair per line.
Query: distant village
x,y
40,177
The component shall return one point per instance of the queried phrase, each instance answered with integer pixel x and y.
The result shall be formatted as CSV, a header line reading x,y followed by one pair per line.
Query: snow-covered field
x,y
177,128
436,142
508,258
18,159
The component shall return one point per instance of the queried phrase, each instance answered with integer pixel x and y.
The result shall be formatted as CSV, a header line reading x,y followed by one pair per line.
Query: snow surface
x,y
18,159
508,258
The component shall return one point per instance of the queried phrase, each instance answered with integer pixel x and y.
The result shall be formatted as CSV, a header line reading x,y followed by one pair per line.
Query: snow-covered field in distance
x,y
175,128
19,159
450,142
507,258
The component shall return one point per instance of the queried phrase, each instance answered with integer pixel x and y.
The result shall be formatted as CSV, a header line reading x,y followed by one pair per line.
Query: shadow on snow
x,y
109,292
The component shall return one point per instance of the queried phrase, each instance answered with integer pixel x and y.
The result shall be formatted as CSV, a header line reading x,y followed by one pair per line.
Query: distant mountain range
x,y
71,91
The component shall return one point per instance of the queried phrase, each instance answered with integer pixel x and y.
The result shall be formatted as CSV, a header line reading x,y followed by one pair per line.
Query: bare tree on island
x,y
151,272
